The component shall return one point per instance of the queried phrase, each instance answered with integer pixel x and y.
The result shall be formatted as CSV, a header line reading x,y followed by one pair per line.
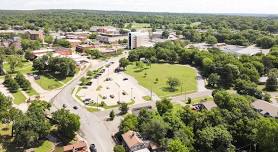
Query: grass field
x,y
25,68
46,146
19,97
162,72
48,82
32,92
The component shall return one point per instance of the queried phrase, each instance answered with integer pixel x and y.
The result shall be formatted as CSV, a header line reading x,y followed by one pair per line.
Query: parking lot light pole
x,y
131,93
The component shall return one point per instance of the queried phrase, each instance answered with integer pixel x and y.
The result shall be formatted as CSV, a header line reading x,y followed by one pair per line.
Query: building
x,y
110,38
133,142
265,108
80,146
35,35
82,48
138,39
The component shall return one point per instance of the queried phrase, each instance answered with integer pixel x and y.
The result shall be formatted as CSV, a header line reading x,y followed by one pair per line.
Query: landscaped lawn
x,y
18,97
162,72
25,68
48,82
32,92
46,146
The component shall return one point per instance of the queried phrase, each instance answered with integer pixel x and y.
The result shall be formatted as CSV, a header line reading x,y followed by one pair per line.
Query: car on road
x,y
108,79
125,79
124,93
75,107
112,96
93,148
104,97
64,106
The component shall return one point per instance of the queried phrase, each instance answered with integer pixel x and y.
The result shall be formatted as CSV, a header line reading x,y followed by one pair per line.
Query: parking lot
x,y
113,88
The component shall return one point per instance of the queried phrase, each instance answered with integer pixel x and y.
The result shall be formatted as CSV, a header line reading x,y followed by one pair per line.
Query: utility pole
x,y
131,93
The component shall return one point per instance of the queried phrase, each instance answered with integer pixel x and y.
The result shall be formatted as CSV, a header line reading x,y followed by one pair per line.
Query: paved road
x,y
92,128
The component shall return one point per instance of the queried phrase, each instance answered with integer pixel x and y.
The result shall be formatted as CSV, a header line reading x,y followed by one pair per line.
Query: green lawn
x,y
32,92
90,109
26,67
46,146
186,75
49,83
18,97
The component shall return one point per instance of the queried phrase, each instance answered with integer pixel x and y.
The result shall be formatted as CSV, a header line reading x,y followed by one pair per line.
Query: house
x,y
35,35
133,142
82,48
265,108
63,51
80,146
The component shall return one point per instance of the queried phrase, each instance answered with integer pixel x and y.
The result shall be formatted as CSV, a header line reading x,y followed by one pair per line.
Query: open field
x,y
162,72
19,97
32,92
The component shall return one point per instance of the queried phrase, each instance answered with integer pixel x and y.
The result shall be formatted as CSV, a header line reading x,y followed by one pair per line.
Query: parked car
x,y
64,106
93,148
124,93
108,79
87,99
125,79
75,107
104,97
112,96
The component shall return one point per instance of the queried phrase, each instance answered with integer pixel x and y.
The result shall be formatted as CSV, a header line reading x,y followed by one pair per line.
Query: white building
x,y
138,39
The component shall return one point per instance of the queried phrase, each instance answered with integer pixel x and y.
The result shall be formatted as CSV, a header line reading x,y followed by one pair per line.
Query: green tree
x,y
213,80
14,61
271,83
211,39
165,34
155,129
48,39
173,83
123,108
164,106
130,122
124,62
175,145
67,123
112,115
215,139
119,148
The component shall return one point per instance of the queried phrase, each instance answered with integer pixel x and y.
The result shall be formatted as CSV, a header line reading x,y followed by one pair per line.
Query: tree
x,y
213,80
84,81
150,130
119,148
123,108
48,39
130,122
173,83
124,62
175,145
94,53
5,106
165,34
271,83
62,43
93,36
164,106
23,82
67,123
211,39
112,115
215,139
28,55
14,61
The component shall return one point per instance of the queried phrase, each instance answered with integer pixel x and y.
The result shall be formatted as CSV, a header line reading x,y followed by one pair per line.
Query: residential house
x,y
35,35
133,142
80,146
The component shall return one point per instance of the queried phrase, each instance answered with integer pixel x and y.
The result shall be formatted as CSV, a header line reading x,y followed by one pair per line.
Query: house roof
x,y
143,150
132,138
77,145
265,108
209,105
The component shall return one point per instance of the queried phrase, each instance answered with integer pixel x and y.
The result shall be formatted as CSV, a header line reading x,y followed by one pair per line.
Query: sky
x,y
179,6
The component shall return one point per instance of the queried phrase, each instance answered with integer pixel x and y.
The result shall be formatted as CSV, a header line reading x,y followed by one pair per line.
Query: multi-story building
x,y
110,38
138,39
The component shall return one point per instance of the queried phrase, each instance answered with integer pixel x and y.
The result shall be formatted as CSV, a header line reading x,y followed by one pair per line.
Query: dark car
x,y
87,99
75,107
93,148
64,106
112,96
125,79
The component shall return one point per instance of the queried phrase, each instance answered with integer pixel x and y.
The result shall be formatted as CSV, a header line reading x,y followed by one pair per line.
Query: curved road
x,y
92,128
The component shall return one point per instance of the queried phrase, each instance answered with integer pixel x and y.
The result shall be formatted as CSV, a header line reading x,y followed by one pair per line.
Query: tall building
x,y
138,39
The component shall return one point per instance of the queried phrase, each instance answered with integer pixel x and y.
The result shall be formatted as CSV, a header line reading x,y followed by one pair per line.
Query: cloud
x,y
186,6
